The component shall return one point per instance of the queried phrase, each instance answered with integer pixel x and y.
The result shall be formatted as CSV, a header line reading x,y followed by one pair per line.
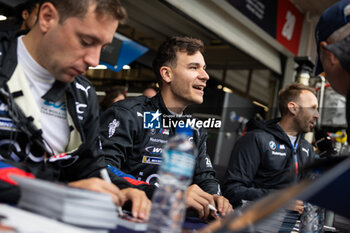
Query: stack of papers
x,y
128,222
70,205
23,221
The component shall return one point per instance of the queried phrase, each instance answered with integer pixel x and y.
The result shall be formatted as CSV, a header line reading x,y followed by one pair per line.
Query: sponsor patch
x,y
164,131
112,126
151,160
61,156
56,105
279,153
272,145
154,150
282,147
157,140
55,109
68,159
7,124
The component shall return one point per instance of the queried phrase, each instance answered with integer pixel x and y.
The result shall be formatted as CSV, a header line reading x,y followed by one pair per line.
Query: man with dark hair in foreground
x,y
41,76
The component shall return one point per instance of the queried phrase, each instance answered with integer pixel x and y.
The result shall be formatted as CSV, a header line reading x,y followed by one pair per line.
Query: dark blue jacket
x,y
262,161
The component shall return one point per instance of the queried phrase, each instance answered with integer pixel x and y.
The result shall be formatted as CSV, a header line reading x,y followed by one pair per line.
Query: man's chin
x,y
306,130
66,78
198,100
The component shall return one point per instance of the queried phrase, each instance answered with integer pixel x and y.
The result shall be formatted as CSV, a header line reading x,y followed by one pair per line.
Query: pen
x,y
211,207
105,176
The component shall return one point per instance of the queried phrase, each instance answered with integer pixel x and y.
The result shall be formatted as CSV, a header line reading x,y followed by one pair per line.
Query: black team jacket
x,y
136,150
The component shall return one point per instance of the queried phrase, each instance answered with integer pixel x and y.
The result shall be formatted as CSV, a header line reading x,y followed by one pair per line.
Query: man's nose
x,y
92,57
204,75
317,114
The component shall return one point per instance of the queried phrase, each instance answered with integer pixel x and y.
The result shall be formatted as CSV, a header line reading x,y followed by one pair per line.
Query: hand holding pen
x,y
105,177
223,206
98,185
212,208
206,204
141,205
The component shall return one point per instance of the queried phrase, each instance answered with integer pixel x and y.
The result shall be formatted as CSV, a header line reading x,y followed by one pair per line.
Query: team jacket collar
x,y
10,62
10,58
158,102
273,128
56,92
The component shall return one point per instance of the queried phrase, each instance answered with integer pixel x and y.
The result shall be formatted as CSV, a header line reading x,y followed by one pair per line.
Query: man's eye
x,y
193,67
85,42
104,47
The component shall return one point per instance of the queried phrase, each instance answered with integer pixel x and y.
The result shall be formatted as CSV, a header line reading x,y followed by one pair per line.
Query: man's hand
x,y
99,185
222,205
297,206
141,205
199,200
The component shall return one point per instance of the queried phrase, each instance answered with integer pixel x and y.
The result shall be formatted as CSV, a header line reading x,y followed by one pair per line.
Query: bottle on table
x,y
175,175
312,219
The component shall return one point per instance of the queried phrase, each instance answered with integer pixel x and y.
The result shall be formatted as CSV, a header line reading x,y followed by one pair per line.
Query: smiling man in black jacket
x,y
271,154
136,150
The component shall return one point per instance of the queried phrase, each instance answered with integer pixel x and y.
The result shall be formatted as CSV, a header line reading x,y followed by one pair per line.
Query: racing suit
x,y
82,158
136,150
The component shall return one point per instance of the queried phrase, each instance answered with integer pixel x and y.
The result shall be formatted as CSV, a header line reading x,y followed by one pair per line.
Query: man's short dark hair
x,y
29,5
111,94
78,8
166,54
291,93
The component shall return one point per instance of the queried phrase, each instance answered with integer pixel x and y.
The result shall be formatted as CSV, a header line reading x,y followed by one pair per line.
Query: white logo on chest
x,y
306,151
81,87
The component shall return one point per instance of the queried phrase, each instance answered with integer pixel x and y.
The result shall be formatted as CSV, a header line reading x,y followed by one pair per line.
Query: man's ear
x,y
166,74
25,14
293,108
327,54
48,16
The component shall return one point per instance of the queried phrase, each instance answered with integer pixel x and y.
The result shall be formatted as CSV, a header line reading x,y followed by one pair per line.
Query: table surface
x,y
25,221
